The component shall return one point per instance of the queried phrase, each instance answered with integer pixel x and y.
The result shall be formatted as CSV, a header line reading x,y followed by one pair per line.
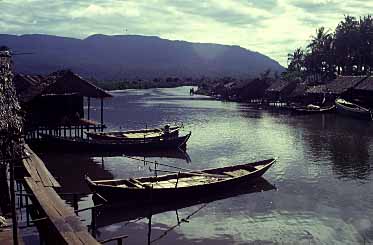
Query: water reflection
x,y
120,217
69,170
323,173
342,141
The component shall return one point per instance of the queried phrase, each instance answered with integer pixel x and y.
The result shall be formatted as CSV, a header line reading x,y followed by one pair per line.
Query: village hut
x,y
251,90
280,90
299,95
316,94
342,86
56,101
364,92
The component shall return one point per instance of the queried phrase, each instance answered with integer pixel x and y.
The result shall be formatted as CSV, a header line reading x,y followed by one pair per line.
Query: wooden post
x,y
102,114
13,203
75,202
89,107
177,180
27,212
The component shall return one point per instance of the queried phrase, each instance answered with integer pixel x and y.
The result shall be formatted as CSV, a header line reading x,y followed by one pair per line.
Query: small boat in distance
x,y
76,144
312,109
351,109
166,131
179,185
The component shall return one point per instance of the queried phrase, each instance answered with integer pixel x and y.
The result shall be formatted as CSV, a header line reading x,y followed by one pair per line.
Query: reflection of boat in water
x,y
69,144
351,109
175,154
116,213
140,155
178,185
141,134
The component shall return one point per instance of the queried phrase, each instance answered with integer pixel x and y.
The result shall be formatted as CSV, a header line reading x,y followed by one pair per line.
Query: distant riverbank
x,y
145,84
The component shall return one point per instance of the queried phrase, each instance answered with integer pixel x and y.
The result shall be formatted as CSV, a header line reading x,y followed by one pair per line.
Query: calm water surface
x,y
323,176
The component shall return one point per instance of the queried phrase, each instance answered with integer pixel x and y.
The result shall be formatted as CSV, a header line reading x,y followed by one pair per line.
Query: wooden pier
x,y
56,221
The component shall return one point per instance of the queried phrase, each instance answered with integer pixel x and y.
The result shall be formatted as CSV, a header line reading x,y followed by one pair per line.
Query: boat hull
x,y
361,113
142,134
55,143
119,212
115,194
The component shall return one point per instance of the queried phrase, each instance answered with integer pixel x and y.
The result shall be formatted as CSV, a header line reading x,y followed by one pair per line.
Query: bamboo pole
x,y
13,203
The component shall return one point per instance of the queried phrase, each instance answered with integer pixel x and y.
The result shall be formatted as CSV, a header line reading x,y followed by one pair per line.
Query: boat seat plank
x,y
137,183
237,173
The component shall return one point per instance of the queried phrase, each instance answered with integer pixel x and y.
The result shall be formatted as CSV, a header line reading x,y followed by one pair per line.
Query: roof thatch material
x,y
317,89
61,82
10,116
365,85
67,82
28,87
343,84
278,86
299,91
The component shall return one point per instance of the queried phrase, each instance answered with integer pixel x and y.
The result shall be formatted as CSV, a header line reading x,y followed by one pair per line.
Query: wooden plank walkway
x,y
58,222
64,226
37,171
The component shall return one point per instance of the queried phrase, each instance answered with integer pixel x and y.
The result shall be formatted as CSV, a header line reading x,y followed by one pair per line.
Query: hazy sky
x,y
272,27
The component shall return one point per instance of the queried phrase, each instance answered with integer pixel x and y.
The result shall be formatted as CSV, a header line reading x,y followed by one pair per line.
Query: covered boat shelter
x,y
54,104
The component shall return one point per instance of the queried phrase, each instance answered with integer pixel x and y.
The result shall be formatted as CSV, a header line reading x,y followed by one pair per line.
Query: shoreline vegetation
x,y
170,82
330,57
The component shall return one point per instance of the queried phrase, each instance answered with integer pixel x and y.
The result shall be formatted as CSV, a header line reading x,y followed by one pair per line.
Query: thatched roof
x,y
61,82
317,89
28,86
365,85
278,86
299,91
343,83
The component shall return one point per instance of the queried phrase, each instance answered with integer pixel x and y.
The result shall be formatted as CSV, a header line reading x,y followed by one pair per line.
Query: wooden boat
x,y
351,109
69,144
178,185
140,134
120,212
312,109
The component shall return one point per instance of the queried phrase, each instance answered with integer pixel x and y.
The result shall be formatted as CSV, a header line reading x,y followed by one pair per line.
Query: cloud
x,y
272,27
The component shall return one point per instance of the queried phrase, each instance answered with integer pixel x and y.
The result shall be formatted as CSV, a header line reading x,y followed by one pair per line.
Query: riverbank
x,y
146,84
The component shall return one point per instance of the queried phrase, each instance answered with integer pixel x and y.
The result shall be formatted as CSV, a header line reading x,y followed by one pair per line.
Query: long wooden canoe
x,y
69,144
351,109
178,185
120,212
140,134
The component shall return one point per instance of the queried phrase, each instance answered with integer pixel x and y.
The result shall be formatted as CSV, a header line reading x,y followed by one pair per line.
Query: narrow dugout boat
x,y
120,212
69,144
140,134
351,109
178,185
312,109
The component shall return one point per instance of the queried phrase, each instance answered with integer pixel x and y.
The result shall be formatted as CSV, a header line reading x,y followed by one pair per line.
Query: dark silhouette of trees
x,y
346,51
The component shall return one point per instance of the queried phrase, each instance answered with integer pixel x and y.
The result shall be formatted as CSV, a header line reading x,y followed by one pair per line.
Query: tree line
x,y
348,50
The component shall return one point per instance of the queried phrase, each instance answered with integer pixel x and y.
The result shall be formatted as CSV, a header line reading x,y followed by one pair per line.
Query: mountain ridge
x,y
118,57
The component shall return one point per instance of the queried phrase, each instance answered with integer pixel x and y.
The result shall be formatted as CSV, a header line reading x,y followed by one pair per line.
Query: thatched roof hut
x,y
56,99
364,91
343,84
280,90
58,83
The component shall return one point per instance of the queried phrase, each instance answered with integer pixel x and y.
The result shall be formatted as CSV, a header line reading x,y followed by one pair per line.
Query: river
x,y
322,189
